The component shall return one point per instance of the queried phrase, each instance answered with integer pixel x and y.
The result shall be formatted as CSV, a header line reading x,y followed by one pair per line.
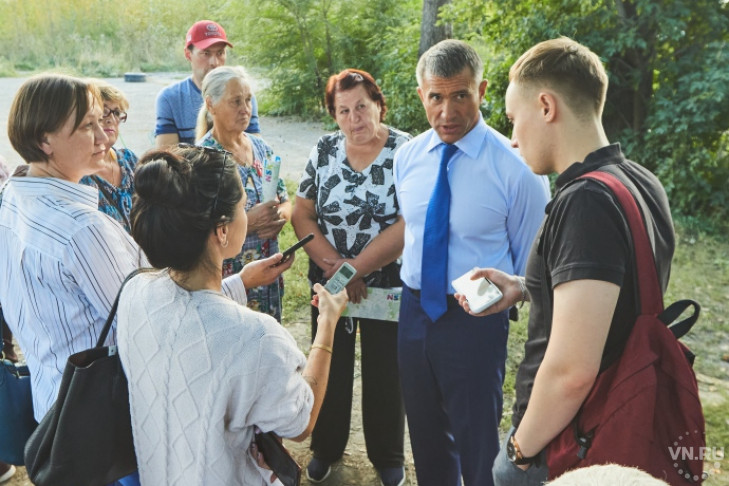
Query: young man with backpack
x,y
580,276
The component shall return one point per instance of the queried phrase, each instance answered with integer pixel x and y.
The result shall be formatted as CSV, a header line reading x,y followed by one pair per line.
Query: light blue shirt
x,y
62,264
497,202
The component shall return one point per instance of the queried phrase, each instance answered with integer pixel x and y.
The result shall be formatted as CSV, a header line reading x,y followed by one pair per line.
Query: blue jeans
x,y
131,480
508,474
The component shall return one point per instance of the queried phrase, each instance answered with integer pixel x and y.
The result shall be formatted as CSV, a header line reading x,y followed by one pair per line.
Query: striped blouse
x,y
61,266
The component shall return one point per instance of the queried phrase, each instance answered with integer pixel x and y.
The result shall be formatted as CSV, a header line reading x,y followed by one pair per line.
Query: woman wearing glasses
x,y
63,261
347,198
115,180
224,116
204,370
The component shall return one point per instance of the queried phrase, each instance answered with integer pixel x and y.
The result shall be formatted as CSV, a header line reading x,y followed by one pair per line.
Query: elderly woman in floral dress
x,y
223,118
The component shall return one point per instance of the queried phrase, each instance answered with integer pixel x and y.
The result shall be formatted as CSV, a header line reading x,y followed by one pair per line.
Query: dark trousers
x,y
452,373
383,414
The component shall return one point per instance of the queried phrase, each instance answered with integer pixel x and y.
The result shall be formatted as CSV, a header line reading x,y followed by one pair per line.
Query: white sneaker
x,y
7,474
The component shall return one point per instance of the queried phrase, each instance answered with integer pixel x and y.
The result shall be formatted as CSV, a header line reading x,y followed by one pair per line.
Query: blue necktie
x,y
434,267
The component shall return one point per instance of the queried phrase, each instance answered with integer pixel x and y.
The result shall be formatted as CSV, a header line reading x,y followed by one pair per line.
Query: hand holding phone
x,y
292,249
480,293
340,279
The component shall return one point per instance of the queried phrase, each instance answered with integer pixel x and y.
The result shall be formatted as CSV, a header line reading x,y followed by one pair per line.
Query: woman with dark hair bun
x,y
205,370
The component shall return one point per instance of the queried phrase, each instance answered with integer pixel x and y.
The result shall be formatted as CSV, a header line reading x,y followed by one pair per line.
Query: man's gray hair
x,y
447,59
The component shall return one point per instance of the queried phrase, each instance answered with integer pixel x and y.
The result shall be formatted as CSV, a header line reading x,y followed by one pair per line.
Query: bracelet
x,y
324,347
524,292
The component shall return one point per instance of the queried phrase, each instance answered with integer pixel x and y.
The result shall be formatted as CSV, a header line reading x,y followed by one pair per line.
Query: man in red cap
x,y
179,103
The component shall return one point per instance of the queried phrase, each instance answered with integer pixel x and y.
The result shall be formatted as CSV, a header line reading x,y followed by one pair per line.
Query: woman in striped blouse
x,y
63,260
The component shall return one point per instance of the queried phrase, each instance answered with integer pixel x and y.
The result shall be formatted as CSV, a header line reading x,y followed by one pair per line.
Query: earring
x,y
225,243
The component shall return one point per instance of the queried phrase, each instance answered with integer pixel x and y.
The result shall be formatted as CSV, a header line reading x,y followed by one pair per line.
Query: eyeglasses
x,y
222,168
120,115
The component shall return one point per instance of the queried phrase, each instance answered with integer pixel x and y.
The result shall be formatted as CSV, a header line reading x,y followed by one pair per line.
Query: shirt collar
x,y
194,86
55,188
610,154
470,144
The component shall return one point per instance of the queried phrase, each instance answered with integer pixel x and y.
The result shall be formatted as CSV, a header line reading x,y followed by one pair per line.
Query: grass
x,y
700,272
297,295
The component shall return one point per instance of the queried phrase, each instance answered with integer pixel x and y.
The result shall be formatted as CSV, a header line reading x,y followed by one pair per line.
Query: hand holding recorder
x,y
507,285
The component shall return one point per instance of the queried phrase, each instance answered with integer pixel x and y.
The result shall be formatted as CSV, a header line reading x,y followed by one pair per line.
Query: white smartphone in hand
x,y
340,279
480,293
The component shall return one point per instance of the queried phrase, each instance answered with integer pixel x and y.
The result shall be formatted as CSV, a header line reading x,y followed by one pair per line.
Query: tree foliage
x,y
303,42
668,101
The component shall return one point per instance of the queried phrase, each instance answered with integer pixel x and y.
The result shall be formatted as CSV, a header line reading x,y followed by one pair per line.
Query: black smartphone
x,y
290,251
279,459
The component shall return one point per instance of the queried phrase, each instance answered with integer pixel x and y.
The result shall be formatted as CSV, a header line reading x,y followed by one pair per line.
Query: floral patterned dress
x,y
117,201
265,299
353,207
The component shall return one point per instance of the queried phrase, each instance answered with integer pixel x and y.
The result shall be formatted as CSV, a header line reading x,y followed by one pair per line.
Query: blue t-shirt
x,y
177,108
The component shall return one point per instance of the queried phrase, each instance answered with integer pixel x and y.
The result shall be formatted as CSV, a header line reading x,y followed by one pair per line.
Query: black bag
x,y
16,408
279,459
85,439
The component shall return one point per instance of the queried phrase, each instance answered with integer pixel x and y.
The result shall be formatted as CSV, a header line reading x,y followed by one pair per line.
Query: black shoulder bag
x,y
85,439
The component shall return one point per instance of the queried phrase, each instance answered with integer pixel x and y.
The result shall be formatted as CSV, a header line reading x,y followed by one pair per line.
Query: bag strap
x,y
674,310
112,312
649,291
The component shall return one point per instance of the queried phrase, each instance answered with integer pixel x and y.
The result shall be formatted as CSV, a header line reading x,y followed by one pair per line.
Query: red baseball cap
x,y
205,33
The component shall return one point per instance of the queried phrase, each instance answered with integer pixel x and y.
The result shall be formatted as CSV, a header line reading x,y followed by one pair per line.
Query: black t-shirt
x,y
585,236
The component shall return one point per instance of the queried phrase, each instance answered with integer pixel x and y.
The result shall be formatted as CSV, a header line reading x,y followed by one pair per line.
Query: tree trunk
x,y
633,70
430,33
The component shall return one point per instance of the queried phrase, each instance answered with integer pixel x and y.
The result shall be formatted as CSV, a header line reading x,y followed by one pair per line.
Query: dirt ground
x,y
290,138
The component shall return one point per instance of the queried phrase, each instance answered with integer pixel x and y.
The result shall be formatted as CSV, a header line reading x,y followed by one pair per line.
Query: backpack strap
x,y
651,298
673,311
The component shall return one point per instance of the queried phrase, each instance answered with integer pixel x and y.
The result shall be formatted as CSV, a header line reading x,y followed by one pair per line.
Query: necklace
x,y
114,166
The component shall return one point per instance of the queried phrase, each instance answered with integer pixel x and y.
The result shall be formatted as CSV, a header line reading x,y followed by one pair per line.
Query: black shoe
x,y
318,471
392,476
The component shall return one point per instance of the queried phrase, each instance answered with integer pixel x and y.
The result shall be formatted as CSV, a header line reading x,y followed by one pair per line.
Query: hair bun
x,y
163,178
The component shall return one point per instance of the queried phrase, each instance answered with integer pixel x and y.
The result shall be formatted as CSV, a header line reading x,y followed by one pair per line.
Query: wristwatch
x,y
513,452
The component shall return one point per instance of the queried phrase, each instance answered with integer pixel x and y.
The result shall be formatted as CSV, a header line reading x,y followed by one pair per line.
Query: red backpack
x,y
644,410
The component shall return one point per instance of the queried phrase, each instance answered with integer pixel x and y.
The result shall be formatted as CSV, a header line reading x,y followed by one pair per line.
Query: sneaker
x,y
392,476
318,471
7,471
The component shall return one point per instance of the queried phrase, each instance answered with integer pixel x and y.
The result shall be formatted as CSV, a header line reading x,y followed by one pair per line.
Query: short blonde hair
x,y
111,93
567,67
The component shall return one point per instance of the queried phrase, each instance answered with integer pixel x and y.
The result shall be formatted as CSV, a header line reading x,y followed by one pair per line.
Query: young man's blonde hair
x,y
567,67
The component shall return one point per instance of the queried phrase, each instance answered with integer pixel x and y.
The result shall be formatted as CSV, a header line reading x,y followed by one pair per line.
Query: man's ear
x,y
548,104
482,89
421,95
188,54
